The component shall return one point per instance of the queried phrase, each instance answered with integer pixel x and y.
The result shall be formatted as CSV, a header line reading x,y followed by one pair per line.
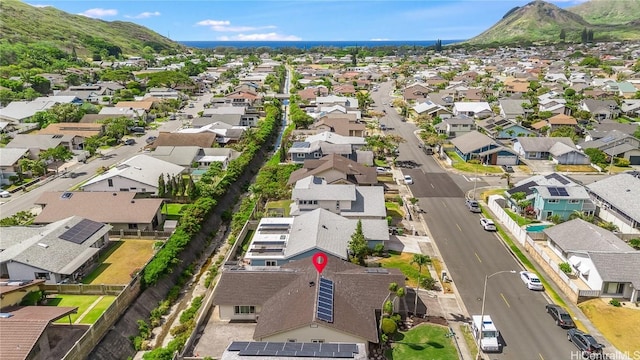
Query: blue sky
x,y
234,20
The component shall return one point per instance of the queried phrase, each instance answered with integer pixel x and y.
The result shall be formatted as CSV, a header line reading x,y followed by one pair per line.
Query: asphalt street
x,y
470,253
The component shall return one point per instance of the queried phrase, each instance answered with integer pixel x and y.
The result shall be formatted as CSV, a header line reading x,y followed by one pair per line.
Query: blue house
x,y
498,127
561,201
475,145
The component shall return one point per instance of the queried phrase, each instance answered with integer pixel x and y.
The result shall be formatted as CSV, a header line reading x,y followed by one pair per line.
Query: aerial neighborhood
x,y
356,203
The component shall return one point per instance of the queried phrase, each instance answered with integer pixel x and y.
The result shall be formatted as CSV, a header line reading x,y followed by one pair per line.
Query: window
x,y
574,201
317,155
133,226
42,275
271,263
244,309
110,182
291,340
318,341
615,288
300,155
133,189
553,201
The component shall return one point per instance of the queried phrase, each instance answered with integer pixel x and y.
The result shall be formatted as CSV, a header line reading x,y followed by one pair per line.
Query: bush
x,y
389,326
378,249
566,268
429,283
635,243
615,302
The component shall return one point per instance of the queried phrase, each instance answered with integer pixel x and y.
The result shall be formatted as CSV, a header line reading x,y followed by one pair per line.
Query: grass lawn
x,y
385,178
402,262
470,341
281,204
576,168
102,305
425,341
121,261
81,301
462,165
173,211
619,325
380,162
618,169
517,218
394,210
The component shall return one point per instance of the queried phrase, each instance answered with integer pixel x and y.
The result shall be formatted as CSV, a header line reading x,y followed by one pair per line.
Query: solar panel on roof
x,y
315,347
238,345
325,300
562,192
324,347
343,355
352,348
274,346
553,191
81,231
293,346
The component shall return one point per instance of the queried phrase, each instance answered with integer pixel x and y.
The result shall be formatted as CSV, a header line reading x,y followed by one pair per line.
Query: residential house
x,y
348,200
475,145
21,111
555,122
326,143
630,107
605,263
455,126
229,115
65,250
512,109
617,198
357,296
243,98
348,103
12,292
498,127
415,92
29,332
626,90
538,148
479,110
602,129
561,201
121,210
136,114
564,154
36,142
553,105
225,133
617,144
10,163
516,86
81,130
431,109
600,109
92,93
188,156
310,93
527,185
203,139
344,89
278,241
341,124
137,174
335,169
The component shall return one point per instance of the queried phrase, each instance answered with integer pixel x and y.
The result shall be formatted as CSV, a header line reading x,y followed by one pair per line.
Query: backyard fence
x,y
84,289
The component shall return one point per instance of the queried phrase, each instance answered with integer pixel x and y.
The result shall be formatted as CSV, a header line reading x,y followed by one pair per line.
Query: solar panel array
x,y
561,179
280,349
325,300
558,191
81,231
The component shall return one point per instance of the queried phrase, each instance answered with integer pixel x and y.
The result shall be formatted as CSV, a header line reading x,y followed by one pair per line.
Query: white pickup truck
x,y
488,337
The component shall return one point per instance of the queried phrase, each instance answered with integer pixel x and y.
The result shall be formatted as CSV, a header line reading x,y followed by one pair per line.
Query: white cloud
x,y
260,37
379,39
224,26
40,6
144,15
99,13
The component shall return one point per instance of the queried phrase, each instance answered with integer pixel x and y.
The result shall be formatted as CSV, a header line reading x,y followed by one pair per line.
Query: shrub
x,y
389,326
429,283
378,249
615,302
566,268
635,243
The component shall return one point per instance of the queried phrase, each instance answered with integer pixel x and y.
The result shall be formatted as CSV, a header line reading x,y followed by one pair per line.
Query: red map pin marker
x,y
319,261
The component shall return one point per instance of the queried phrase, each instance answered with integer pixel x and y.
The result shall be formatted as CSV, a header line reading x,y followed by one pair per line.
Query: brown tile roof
x,y
76,129
203,140
104,207
341,126
562,119
355,173
97,118
146,105
6,289
357,294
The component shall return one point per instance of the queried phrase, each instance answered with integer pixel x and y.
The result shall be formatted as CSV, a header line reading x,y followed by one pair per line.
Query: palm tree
x,y
420,260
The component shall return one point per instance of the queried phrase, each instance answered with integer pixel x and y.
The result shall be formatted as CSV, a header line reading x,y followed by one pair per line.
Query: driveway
x,y
406,243
219,334
542,167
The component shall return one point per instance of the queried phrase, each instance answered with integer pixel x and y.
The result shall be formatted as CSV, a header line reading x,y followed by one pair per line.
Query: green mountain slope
x,y
542,22
609,12
20,22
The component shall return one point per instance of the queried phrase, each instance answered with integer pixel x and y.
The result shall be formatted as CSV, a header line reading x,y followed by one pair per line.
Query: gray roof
x,y
513,107
574,192
42,247
329,232
140,168
459,120
542,144
224,110
179,155
621,191
10,156
314,188
36,141
578,235
618,267
559,149
472,141
610,139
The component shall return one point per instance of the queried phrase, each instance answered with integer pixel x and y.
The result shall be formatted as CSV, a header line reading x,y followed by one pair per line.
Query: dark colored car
x,y
560,315
587,344
130,142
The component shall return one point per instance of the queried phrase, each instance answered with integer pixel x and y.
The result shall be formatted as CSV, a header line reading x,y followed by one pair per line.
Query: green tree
x,y
56,154
597,156
563,35
358,244
420,260
41,84
67,112
565,131
162,190
44,118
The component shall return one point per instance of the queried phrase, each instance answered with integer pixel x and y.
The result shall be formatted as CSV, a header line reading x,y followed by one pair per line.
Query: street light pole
x,y
484,297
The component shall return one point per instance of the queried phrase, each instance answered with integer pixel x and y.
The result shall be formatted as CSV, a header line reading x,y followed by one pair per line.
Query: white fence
x,y
518,233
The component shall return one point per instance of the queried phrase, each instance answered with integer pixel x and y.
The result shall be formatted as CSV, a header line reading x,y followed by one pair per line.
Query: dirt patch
x,y
619,325
431,320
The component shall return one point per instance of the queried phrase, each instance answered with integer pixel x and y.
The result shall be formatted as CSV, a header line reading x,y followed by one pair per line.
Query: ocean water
x,y
311,44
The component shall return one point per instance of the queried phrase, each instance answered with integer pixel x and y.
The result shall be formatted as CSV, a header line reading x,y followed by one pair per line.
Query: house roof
x,y
573,192
45,247
472,141
562,119
459,120
611,139
179,155
578,235
334,138
357,295
542,144
140,168
74,129
513,107
104,207
618,266
621,191
36,141
23,329
203,140
553,179
559,149
476,107
10,156
353,172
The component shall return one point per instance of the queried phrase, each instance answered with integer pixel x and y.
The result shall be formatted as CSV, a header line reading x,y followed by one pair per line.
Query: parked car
x,y
507,168
4,194
560,315
488,224
473,206
531,280
151,139
130,141
587,344
382,170
408,180
137,130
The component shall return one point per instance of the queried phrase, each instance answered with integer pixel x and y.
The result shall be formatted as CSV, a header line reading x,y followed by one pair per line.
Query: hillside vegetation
x,y
23,23
609,12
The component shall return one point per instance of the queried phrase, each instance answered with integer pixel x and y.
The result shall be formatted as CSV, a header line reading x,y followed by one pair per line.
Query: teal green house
x,y
562,201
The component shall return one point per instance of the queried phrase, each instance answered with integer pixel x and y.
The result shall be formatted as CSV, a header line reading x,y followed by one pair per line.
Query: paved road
x,y
471,253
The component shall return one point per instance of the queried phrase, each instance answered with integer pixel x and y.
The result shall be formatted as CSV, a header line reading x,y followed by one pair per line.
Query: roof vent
x,y
43,245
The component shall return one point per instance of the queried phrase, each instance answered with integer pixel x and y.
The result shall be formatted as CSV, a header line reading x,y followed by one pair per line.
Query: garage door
x,y
634,160
506,160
